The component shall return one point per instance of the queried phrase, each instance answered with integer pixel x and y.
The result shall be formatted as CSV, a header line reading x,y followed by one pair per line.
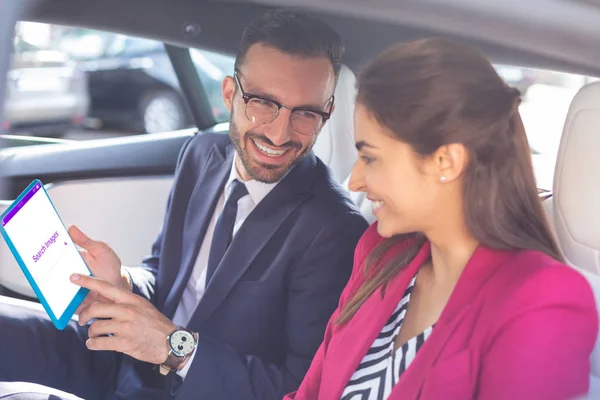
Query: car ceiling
x,y
554,34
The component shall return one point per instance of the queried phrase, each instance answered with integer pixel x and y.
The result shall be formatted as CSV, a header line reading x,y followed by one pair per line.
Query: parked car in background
x,y
47,93
132,83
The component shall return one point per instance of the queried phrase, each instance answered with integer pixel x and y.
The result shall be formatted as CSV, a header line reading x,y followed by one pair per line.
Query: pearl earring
x,y
443,178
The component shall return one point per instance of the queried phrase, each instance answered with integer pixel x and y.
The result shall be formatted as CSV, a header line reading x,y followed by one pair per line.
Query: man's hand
x,y
102,261
138,328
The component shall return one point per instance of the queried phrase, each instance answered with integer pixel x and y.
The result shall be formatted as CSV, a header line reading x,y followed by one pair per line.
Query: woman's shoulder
x,y
536,280
533,264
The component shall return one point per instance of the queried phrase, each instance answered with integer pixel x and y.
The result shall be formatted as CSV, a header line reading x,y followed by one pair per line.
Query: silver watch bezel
x,y
188,334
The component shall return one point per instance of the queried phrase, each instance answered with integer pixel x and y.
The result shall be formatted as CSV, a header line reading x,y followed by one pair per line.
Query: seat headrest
x,y
577,182
335,144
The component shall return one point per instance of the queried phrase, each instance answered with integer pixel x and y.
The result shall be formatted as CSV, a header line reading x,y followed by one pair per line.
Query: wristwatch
x,y
182,344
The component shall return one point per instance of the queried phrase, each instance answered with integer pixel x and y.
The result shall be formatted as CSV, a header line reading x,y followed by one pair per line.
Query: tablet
x,y
45,252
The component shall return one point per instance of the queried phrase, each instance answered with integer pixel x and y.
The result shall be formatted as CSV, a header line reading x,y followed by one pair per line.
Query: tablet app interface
x,y
45,247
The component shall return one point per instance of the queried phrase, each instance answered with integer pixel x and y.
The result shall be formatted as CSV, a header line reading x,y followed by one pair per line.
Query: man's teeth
x,y
377,205
268,151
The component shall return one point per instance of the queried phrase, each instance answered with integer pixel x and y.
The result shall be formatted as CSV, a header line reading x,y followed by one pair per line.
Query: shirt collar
x,y
257,190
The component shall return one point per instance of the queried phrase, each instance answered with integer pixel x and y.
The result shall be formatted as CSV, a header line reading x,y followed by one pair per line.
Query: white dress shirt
x,y
194,290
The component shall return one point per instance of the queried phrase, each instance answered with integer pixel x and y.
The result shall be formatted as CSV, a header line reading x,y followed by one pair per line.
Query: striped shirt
x,y
381,368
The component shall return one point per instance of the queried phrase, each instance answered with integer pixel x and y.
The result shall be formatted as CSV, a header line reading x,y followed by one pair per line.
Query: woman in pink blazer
x,y
459,290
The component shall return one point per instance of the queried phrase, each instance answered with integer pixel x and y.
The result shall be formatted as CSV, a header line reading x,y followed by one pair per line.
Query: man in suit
x,y
256,247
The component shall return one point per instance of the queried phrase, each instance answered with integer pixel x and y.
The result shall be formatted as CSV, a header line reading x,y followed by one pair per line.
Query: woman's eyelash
x,y
366,159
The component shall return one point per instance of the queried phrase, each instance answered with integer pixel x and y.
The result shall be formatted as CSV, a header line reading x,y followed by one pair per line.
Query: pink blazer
x,y
519,325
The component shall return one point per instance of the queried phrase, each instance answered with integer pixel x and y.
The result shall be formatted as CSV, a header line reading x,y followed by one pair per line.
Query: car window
x,y
212,69
128,46
546,97
81,84
22,46
83,44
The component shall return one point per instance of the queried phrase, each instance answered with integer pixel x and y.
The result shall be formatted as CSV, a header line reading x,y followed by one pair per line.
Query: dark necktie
x,y
224,228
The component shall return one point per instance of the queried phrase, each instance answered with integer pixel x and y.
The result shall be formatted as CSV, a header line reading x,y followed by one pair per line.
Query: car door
x,y
8,17
114,189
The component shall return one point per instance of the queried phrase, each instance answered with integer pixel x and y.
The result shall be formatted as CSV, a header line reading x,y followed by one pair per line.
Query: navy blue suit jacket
x,y
264,312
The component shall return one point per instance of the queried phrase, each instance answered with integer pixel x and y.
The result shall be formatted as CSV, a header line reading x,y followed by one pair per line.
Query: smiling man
x,y
268,147
256,247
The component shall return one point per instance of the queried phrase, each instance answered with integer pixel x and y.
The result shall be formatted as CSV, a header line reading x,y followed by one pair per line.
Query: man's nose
x,y
280,130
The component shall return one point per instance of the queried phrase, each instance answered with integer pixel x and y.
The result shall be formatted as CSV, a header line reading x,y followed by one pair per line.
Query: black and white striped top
x,y
381,368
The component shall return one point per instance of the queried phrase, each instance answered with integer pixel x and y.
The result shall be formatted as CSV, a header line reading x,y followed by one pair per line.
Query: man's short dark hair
x,y
293,32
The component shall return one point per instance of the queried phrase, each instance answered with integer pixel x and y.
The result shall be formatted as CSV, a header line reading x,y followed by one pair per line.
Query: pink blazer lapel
x,y
357,336
483,263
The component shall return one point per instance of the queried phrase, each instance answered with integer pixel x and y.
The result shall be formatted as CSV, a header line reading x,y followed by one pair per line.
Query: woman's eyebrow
x,y
362,144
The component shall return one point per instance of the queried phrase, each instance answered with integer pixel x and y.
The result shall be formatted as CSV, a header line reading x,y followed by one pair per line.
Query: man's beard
x,y
263,172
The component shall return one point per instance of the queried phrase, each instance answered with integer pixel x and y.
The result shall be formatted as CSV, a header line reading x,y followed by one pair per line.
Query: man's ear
x,y
228,89
450,161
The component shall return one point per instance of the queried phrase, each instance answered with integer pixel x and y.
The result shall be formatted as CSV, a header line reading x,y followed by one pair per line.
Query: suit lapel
x,y
203,201
357,336
254,234
480,268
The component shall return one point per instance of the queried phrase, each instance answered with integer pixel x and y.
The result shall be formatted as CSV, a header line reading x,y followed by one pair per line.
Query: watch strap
x,y
173,361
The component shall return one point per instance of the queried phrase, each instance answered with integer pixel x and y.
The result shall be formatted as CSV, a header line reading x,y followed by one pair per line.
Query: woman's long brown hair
x,y
435,92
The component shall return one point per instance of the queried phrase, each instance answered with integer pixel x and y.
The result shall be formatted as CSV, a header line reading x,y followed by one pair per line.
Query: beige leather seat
x,y
335,145
574,209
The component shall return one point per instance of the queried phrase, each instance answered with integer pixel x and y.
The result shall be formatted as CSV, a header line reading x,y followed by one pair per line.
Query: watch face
x,y
182,343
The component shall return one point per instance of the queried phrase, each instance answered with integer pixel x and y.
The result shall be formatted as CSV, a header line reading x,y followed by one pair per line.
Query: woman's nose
x,y
357,179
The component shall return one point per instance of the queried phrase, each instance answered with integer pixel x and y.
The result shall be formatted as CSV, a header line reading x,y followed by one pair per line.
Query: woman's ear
x,y
450,161
228,89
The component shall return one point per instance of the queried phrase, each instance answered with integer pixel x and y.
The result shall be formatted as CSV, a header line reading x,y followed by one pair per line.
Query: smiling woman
x,y
460,276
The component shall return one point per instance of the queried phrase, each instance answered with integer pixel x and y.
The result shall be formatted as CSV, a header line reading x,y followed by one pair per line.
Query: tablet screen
x,y
45,247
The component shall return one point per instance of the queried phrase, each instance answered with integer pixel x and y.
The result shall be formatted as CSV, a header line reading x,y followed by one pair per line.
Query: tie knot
x,y
238,190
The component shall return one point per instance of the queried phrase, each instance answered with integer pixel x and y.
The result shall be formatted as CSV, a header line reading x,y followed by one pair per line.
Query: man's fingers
x,y
84,304
102,310
105,289
87,257
83,240
104,327
89,299
107,343
103,299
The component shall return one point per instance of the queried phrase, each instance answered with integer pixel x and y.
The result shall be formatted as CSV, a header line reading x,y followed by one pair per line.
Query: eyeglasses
x,y
263,111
